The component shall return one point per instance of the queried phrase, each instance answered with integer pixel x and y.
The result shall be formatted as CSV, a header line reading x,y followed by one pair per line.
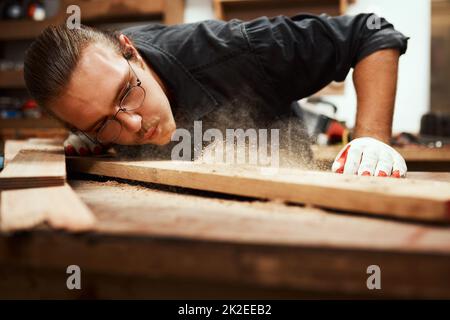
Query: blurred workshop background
x,y
423,98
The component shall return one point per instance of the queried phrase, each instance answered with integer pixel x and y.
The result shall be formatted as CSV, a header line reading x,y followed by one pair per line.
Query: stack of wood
x,y
33,189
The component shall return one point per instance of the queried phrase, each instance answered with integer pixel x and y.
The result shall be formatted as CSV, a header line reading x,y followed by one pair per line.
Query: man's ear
x,y
128,48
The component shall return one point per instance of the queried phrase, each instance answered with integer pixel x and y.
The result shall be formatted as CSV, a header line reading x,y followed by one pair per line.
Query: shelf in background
x,y
28,128
93,11
27,133
11,79
30,123
22,29
250,9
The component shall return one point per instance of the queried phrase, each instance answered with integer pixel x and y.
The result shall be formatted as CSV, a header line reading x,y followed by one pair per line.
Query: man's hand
x,y
369,157
79,144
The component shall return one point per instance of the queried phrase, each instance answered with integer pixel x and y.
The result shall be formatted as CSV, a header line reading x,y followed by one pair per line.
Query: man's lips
x,y
149,129
150,133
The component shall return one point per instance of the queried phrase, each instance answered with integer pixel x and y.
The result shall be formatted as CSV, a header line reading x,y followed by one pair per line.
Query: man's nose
x,y
130,121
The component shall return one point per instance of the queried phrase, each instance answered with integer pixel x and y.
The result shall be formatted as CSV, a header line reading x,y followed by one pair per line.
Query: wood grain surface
x,y
147,239
405,198
39,163
26,208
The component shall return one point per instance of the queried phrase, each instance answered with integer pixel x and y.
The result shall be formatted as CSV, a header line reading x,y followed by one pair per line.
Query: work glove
x,y
79,144
369,157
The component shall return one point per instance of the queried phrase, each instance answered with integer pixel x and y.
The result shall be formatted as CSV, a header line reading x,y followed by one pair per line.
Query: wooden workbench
x,y
164,242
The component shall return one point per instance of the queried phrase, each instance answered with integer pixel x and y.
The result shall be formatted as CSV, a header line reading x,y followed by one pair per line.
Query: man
x,y
135,88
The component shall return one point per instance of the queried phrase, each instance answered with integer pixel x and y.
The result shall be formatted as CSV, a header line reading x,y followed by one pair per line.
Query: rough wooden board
x,y
124,209
12,147
26,208
411,199
58,206
41,162
146,233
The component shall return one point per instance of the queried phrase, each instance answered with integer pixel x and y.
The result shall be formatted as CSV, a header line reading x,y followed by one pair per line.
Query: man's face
x,y
94,92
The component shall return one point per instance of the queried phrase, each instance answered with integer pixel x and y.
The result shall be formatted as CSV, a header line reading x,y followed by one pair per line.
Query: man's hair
x,y
54,55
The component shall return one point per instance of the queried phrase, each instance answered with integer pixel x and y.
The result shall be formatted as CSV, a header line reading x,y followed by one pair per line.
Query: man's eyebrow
x,y
122,86
119,90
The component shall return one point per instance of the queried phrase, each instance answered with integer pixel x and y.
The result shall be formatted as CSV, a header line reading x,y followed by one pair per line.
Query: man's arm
x,y
375,80
302,54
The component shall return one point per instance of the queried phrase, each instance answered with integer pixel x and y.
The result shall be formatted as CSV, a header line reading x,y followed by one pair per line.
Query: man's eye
x,y
124,92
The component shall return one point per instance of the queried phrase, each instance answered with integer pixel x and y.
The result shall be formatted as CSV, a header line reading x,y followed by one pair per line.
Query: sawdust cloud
x,y
242,112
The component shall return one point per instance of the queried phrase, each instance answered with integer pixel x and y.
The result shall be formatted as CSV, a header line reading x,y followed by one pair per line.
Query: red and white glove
x,y
369,157
79,144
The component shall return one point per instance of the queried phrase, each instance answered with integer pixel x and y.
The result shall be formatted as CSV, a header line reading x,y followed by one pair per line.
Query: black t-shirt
x,y
241,74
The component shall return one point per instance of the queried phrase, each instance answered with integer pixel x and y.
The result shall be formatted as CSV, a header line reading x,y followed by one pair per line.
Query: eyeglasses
x,y
131,100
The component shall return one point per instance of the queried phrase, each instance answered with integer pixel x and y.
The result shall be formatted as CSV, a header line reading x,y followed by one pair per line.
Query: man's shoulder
x,y
153,29
141,30
197,33
192,44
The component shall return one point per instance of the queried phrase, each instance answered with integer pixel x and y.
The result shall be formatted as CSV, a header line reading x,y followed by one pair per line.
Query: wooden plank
x,y
12,148
40,163
411,199
57,206
142,210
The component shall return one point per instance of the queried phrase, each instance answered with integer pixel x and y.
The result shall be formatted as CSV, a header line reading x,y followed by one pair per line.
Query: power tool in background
x,y
319,118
